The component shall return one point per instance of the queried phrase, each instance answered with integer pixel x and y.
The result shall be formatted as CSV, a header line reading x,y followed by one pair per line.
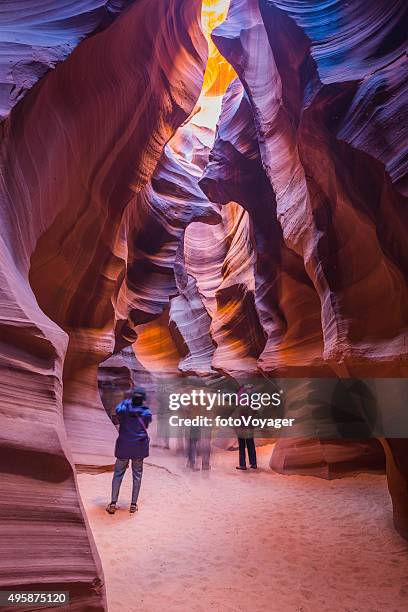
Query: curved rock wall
x,y
325,86
75,152
331,219
38,34
286,301
292,280
107,239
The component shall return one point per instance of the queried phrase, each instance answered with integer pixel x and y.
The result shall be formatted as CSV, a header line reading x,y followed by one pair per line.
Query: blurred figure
x,y
193,436
131,444
198,441
162,419
205,447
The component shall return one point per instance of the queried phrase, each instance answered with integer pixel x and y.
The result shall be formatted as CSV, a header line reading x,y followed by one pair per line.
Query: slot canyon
x,y
198,191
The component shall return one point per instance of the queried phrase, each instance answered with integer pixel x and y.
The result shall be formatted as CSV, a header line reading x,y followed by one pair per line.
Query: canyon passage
x,y
205,195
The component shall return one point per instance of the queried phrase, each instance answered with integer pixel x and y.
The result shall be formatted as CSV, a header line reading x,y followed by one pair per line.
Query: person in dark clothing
x,y
250,445
245,435
131,444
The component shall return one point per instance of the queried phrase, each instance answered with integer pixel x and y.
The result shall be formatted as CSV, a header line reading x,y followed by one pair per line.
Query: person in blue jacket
x,y
131,444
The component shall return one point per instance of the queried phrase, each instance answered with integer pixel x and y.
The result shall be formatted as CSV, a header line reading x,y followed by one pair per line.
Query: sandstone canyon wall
x,y
134,235
309,168
76,151
301,102
39,34
325,85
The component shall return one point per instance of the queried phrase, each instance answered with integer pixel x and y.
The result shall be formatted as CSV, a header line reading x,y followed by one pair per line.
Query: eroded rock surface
x,y
287,258
326,102
38,34
75,153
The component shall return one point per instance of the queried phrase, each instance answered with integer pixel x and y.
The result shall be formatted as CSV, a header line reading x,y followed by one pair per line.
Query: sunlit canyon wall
x,y
136,237
78,152
305,274
320,99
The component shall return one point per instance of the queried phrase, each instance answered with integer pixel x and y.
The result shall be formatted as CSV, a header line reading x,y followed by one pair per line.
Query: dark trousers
x,y
118,474
250,445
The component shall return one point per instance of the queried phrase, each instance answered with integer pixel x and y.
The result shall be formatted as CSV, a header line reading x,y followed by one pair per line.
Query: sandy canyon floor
x,y
228,541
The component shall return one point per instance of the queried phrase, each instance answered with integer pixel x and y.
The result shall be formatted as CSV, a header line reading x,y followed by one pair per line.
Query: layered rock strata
x,y
327,117
39,34
75,152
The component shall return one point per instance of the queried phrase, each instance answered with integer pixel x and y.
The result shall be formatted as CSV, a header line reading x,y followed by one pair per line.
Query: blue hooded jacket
x,y
133,439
